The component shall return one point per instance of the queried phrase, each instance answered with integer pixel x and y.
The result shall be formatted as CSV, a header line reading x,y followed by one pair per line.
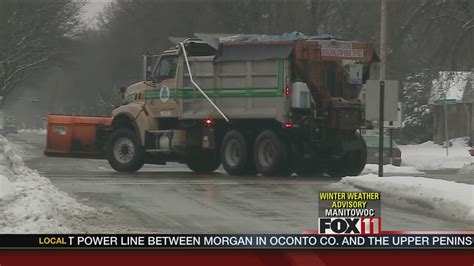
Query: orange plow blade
x,y
77,136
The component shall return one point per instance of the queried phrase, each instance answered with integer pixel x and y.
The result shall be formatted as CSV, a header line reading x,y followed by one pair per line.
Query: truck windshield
x,y
166,68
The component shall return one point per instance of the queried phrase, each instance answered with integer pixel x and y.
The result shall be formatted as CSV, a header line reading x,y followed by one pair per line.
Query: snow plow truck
x,y
255,105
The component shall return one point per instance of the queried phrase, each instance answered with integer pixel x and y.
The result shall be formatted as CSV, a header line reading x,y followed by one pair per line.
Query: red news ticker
x,y
407,233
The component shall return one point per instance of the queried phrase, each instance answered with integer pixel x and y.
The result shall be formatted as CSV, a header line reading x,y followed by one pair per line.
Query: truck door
x,y
163,99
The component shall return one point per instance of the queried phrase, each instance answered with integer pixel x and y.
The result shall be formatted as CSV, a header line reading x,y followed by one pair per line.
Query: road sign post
x,y
381,104
446,139
381,121
445,103
390,134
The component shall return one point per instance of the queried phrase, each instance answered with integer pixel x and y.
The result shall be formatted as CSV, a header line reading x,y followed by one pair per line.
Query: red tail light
x,y
288,125
397,153
208,122
287,90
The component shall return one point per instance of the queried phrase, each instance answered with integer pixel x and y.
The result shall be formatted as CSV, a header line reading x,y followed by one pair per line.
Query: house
x,y
452,97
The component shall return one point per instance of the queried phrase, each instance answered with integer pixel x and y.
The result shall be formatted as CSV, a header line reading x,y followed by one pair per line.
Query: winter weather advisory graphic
x,y
349,212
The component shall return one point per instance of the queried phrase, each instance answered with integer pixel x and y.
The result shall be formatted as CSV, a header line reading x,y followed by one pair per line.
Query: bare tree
x,y
31,34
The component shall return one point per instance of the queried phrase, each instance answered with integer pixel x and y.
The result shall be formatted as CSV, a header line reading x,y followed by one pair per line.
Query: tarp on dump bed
x,y
244,46
291,36
253,52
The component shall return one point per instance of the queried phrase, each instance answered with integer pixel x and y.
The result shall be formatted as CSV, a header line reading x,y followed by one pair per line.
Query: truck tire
x,y
124,151
352,163
204,162
236,154
271,155
357,158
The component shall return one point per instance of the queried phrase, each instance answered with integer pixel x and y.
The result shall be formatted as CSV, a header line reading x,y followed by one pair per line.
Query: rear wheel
x,y
351,163
357,158
204,162
124,151
271,155
236,155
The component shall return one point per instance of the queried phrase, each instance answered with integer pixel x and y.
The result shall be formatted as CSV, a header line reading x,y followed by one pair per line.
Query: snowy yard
x,y
416,159
430,156
441,198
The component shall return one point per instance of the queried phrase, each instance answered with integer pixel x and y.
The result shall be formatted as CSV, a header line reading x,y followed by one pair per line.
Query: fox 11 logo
x,y
350,225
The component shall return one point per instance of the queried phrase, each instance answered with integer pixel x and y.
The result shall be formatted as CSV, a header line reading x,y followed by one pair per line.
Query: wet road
x,y
172,199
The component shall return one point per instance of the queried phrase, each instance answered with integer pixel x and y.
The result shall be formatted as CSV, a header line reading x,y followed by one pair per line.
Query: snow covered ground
x,y
440,198
430,156
30,203
390,169
39,131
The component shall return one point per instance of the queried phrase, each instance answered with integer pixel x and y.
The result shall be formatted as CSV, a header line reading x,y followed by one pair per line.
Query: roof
x,y
452,85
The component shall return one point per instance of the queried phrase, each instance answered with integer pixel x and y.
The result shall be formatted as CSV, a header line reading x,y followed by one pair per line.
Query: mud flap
x,y
208,138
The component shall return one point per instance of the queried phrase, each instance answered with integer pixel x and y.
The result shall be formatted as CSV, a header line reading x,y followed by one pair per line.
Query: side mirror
x,y
147,60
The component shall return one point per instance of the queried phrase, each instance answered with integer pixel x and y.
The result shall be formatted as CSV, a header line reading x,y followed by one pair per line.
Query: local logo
x,y
164,93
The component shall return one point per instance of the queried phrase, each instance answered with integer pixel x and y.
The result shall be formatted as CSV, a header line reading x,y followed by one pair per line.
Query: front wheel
x,y
124,151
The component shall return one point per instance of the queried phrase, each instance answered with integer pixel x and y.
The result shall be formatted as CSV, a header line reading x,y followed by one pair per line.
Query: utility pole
x,y
383,59
381,124
383,38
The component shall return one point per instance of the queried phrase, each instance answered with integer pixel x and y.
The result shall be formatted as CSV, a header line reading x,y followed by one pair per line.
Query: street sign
x,y
446,101
397,123
372,101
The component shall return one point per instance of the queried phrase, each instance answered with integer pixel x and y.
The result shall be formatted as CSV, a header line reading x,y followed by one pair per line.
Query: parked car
x,y
9,126
372,142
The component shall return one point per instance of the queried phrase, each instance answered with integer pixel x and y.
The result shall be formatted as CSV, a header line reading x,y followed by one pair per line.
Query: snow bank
x,y
390,169
38,131
29,203
5,186
430,156
467,169
443,198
